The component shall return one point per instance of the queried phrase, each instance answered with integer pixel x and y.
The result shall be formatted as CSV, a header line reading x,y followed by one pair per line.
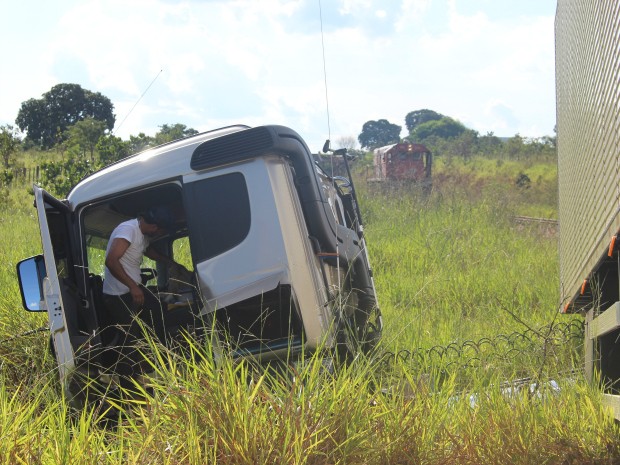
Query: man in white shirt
x,y
124,295
128,244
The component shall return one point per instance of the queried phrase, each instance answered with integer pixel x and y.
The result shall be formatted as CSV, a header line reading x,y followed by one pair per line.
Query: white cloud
x,y
262,62
352,6
476,61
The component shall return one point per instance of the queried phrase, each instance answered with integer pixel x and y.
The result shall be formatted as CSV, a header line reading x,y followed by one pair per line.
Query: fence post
x,y
589,347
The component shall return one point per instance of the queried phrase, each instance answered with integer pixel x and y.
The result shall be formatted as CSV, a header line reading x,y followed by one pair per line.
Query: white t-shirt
x,y
131,259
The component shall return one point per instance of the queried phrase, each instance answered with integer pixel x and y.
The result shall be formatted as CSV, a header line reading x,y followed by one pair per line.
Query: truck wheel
x,y
360,332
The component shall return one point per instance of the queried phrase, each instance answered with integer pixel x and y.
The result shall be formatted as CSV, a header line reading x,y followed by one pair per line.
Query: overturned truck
x,y
275,246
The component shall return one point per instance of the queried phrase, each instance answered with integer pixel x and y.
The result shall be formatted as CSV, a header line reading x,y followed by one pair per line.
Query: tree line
x,y
78,125
448,137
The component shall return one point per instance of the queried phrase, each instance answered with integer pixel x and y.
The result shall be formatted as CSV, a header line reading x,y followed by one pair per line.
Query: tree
x,y
6,178
346,142
111,149
60,177
379,133
86,133
140,142
8,144
417,117
168,133
444,128
350,143
61,107
515,147
464,145
490,145
31,119
549,141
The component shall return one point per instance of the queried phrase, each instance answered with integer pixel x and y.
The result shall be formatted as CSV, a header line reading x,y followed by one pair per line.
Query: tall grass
x,y
450,267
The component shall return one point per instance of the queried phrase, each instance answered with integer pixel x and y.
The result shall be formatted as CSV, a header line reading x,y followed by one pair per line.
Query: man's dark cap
x,y
161,216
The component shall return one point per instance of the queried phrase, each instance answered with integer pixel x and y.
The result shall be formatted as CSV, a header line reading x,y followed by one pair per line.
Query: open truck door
x,y
53,218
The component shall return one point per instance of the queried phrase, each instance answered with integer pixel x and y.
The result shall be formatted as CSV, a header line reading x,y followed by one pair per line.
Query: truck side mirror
x,y
30,274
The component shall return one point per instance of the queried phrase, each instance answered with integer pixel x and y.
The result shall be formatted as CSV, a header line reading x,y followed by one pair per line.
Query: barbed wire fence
x,y
521,359
532,354
20,175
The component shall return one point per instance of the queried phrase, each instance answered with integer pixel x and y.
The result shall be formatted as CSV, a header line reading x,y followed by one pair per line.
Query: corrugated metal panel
x,y
588,125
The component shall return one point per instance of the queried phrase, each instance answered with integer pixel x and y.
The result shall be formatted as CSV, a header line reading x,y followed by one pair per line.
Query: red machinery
x,y
403,162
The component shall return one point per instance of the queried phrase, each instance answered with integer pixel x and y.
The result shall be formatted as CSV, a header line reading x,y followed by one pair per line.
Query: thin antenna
x,y
137,101
329,131
329,136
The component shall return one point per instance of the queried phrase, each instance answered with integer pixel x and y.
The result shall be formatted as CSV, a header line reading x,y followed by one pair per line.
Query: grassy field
x,y
469,298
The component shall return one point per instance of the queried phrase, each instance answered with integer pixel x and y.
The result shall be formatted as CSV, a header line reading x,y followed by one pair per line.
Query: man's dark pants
x,y
127,324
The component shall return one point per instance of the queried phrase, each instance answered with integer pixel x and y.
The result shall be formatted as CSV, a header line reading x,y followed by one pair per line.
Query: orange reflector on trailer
x,y
566,307
612,244
583,286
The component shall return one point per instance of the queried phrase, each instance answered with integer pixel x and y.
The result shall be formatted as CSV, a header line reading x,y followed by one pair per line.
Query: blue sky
x,y
487,63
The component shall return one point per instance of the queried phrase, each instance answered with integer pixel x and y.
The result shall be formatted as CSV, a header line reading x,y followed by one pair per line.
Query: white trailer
x,y
588,129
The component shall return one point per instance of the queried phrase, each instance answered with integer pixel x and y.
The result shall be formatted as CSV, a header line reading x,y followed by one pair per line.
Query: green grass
x,y
449,268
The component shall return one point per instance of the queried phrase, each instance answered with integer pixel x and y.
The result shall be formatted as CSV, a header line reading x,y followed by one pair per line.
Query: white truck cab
x,y
275,245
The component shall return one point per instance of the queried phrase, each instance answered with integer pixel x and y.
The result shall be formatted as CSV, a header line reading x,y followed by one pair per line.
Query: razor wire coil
x,y
504,347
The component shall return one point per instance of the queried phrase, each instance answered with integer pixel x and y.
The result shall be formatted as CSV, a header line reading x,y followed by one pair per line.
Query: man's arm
x,y
112,261
153,254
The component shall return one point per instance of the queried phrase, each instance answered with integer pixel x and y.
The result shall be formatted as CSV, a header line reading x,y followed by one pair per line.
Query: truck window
x,y
181,252
96,259
218,214
95,252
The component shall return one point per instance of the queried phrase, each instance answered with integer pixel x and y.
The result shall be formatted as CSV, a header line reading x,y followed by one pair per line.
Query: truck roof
x,y
150,166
